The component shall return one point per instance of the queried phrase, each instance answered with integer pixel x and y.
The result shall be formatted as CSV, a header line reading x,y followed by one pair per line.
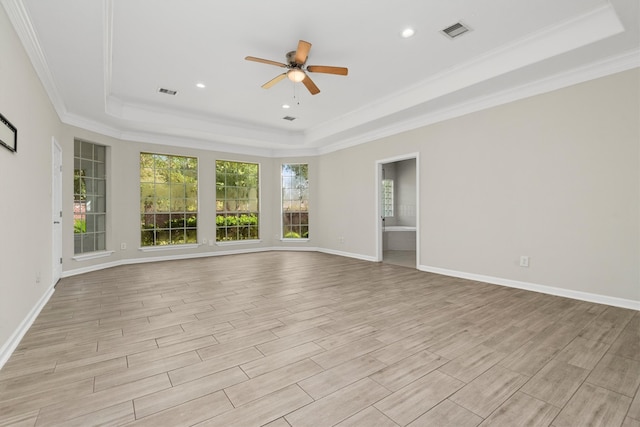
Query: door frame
x,y
378,200
56,210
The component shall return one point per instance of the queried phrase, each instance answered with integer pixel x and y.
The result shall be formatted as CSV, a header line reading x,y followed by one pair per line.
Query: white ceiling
x,y
102,63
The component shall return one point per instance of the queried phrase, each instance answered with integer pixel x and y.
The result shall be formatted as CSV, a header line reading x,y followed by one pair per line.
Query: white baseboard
x,y
97,267
299,249
348,254
568,293
12,343
561,292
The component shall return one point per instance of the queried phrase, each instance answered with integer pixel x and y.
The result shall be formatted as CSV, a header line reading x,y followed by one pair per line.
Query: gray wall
x,y
26,267
554,177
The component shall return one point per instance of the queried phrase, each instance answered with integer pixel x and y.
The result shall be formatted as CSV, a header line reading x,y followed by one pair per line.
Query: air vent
x,y
288,118
455,30
167,91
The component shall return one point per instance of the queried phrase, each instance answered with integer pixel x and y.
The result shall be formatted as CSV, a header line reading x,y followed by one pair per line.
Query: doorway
x,y
56,196
397,181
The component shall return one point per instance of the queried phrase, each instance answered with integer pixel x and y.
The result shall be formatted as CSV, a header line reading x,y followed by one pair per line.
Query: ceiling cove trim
x,y
600,69
208,127
195,128
595,25
610,66
163,139
19,17
107,49
604,19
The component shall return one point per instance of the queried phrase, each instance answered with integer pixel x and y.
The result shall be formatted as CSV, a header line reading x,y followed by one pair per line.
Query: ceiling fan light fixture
x,y
296,75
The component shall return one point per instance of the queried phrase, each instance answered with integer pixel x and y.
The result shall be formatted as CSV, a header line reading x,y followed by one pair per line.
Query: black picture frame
x,y
8,134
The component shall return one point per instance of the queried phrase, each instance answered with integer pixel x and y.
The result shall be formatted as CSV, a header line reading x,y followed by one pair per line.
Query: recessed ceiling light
x,y
200,85
407,32
285,106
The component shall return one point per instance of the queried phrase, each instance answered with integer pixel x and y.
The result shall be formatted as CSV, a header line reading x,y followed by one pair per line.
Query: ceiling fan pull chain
x,y
295,96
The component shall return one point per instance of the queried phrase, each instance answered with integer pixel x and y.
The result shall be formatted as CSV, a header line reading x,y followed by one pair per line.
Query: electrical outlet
x,y
123,246
210,242
524,261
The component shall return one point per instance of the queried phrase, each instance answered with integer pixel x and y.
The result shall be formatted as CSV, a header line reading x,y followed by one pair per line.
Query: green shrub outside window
x,y
237,201
168,199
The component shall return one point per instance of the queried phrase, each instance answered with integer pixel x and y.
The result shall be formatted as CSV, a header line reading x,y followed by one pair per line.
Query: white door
x,y
56,194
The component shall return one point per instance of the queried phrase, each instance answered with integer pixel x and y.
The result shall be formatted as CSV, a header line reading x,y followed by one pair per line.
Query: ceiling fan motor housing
x,y
291,59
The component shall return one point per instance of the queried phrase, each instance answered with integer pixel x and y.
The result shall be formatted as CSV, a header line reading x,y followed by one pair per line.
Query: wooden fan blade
x,y
274,80
311,85
342,71
302,52
265,61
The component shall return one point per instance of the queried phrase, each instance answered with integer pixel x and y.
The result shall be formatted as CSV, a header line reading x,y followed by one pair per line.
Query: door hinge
x,y
60,260
60,168
60,214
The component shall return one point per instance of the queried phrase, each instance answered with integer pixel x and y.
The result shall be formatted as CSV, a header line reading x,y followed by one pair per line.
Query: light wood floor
x,y
309,339
403,258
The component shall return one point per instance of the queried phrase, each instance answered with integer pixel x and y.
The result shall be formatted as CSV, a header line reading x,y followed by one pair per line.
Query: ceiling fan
x,y
296,68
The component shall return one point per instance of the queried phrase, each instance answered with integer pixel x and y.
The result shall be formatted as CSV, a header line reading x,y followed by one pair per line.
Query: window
x,y
168,199
237,202
387,198
295,201
89,197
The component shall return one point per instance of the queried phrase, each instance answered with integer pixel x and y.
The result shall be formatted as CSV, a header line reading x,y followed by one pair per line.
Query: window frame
x,y
250,239
302,237
98,216
189,233
388,196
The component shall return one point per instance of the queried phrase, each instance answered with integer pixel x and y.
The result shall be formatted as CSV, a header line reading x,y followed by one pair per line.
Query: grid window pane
x,y
387,198
100,223
295,201
237,201
89,197
168,199
88,240
77,244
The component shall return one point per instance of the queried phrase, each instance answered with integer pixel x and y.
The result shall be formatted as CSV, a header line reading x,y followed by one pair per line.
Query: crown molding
x,y
163,139
613,65
603,68
19,17
195,125
595,25
107,50
194,131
